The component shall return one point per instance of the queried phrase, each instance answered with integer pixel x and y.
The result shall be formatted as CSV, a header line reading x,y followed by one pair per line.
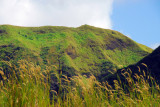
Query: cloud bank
x,y
56,12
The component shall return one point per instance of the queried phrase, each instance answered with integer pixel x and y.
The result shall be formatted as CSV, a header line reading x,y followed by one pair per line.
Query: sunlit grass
x,y
29,86
84,49
25,87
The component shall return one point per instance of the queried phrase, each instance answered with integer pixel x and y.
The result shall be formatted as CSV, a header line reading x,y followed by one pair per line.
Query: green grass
x,y
84,48
24,87
29,86
59,55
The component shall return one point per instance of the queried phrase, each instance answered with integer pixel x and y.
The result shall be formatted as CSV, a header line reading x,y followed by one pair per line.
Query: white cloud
x,y
56,12
154,46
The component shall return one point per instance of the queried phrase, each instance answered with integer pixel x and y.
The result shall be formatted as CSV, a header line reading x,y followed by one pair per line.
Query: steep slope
x,y
153,64
85,49
148,66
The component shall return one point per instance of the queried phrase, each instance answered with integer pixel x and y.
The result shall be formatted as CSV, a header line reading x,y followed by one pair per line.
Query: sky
x,y
137,19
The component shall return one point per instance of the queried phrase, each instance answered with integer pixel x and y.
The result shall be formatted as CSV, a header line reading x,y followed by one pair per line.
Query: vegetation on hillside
x,y
62,66
152,61
86,49
28,86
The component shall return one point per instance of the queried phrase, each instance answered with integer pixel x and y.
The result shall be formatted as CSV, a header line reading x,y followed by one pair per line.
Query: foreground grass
x,y
29,86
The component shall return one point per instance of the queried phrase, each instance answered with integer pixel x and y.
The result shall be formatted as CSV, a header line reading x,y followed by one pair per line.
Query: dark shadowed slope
x,y
148,66
153,63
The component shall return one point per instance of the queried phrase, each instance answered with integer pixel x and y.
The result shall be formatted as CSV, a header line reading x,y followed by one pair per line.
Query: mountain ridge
x,y
85,49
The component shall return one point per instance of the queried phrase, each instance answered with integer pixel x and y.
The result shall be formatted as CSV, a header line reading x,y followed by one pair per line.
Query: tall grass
x,y
25,87
29,86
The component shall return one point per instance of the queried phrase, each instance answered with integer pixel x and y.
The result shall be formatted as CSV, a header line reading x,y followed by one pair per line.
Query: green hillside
x,y
85,49
146,67
55,57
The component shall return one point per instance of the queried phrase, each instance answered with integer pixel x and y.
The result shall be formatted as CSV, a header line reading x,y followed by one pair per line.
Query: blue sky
x,y
140,20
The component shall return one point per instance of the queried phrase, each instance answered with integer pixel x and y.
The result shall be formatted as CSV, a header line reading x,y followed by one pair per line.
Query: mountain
x,y
148,67
85,49
152,62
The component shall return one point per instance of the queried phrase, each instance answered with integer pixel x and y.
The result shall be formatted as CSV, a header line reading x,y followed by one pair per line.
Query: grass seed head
x,y
1,73
144,65
139,69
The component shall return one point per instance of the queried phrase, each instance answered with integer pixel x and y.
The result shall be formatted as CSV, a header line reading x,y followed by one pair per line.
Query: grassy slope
x,y
148,66
83,49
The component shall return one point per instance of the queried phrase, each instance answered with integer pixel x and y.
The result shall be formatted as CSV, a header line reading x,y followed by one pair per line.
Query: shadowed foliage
x,y
147,67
